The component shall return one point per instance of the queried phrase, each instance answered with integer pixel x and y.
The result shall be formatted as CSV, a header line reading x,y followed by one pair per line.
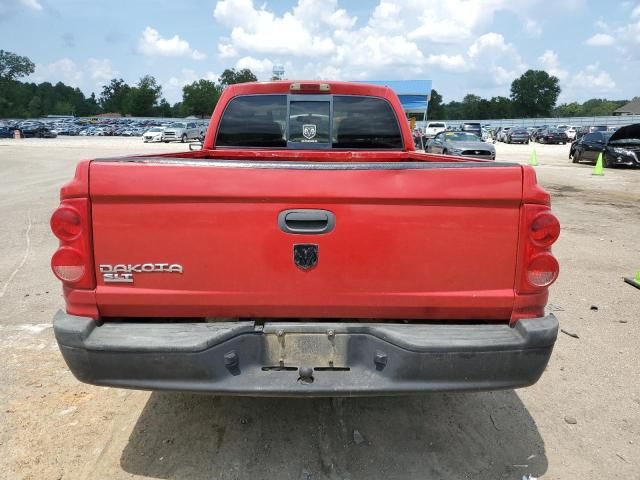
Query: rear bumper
x,y
242,358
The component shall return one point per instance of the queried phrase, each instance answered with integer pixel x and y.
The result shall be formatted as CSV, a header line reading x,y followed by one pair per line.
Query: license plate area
x,y
315,350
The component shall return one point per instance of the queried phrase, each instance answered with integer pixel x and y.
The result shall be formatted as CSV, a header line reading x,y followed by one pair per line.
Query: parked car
x,y
181,132
38,131
502,134
461,143
362,268
571,132
590,129
471,127
6,132
153,135
621,147
552,135
517,135
433,128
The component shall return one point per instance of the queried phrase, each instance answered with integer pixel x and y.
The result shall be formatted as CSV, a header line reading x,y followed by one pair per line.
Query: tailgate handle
x,y
306,221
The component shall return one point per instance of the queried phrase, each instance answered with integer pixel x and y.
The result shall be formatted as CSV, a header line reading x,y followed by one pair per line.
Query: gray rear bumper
x,y
347,359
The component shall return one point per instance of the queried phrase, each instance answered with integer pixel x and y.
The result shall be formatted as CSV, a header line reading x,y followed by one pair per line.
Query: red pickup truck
x,y
306,249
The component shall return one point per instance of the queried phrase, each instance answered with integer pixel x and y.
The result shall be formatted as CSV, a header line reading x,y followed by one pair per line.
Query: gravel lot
x,y
53,427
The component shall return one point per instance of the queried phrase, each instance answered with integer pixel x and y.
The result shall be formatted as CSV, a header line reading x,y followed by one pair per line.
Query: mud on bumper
x,y
275,359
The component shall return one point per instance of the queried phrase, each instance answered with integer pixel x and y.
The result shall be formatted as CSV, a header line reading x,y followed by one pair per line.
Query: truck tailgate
x,y
414,240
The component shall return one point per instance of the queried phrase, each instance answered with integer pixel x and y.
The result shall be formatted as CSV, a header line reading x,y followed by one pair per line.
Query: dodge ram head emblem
x,y
308,131
305,255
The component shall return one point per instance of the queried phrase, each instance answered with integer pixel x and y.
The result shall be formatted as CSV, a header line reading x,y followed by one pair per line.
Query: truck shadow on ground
x,y
475,435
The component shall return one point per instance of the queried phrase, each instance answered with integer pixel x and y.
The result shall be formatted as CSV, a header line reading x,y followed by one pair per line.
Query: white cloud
x,y
259,67
600,40
32,4
64,70
491,53
101,70
226,50
491,42
593,79
551,63
295,33
453,63
151,44
533,28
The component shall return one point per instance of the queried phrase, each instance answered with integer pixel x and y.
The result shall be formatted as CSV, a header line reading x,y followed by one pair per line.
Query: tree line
x,y
533,95
143,99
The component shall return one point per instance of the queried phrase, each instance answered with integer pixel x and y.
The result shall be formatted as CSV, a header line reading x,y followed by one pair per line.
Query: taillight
x,y
68,264
72,263
542,270
544,229
66,223
537,268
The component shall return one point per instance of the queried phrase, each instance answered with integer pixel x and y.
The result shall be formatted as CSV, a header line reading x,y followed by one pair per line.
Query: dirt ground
x,y
53,427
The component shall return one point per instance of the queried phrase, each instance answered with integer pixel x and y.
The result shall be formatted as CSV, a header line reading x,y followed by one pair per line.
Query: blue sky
x,y
464,46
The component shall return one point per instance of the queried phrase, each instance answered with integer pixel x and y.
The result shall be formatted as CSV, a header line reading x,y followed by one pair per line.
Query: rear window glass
x,y
254,121
340,121
309,121
436,125
364,122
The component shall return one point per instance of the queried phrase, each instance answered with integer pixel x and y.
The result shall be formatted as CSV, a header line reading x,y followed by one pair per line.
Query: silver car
x,y
181,132
462,144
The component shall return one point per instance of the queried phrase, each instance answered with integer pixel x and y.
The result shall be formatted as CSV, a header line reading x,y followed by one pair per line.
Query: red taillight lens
x,y
542,270
68,264
66,223
73,261
544,230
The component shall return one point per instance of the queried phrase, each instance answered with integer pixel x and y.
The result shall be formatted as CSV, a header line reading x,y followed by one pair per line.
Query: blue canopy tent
x,y
414,94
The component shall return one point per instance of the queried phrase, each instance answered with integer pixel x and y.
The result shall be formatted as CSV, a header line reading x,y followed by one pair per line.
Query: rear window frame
x,y
304,145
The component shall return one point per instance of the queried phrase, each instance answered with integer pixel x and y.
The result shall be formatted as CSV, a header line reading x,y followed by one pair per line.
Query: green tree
x,y
200,98
116,97
14,66
500,107
471,106
534,93
163,109
601,106
35,107
88,106
145,96
454,111
231,76
573,109
435,110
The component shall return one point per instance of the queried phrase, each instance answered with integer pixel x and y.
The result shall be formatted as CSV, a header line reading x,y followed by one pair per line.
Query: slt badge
x,y
122,273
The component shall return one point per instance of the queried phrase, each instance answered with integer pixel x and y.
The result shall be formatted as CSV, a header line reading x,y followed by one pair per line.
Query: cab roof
x,y
335,87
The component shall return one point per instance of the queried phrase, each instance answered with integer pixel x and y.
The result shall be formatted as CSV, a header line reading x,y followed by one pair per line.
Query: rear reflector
x,y
542,270
68,265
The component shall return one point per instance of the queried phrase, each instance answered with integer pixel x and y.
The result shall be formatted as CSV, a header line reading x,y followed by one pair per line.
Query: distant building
x,y
631,108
